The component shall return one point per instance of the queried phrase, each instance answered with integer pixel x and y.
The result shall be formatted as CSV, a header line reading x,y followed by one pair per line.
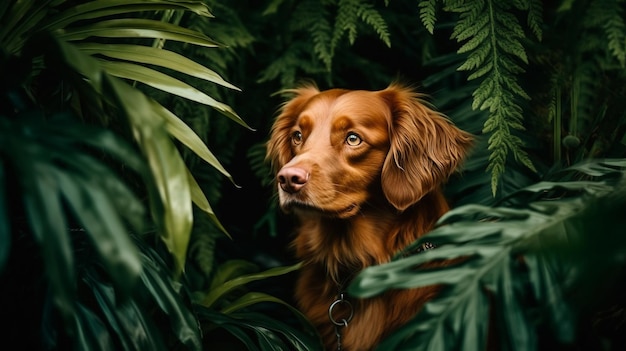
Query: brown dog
x,y
361,171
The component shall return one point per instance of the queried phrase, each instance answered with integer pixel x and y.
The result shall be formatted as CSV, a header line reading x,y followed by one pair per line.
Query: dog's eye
x,y
296,137
353,139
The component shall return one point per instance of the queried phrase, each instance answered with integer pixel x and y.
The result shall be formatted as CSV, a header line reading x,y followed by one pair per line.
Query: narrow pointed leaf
x,y
155,56
136,28
215,294
183,133
252,298
168,168
231,269
47,218
168,84
97,9
101,220
198,197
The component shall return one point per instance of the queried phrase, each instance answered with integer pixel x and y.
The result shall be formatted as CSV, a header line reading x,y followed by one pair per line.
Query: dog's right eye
x,y
296,138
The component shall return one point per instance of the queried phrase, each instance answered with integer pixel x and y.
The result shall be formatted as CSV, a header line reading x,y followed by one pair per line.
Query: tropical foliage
x,y
136,209
93,169
529,265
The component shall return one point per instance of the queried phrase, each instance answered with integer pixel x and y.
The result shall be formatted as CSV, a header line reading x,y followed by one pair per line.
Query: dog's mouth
x,y
298,206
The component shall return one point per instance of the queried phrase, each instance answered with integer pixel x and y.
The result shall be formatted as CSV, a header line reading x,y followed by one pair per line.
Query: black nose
x,y
292,179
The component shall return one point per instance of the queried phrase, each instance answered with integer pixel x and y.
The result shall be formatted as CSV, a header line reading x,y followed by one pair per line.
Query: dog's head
x,y
332,151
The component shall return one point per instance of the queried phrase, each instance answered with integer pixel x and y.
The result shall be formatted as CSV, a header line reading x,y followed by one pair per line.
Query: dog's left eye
x,y
353,139
296,138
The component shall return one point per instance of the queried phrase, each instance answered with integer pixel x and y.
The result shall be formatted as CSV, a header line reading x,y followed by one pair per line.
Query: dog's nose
x,y
292,179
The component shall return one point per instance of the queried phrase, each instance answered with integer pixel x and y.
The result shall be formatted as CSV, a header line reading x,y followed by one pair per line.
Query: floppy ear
x,y
425,148
278,147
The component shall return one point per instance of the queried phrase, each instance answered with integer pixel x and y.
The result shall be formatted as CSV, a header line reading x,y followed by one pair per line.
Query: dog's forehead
x,y
358,106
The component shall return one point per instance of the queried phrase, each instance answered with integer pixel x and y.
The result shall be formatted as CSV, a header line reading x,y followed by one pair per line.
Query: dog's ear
x,y
278,147
425,148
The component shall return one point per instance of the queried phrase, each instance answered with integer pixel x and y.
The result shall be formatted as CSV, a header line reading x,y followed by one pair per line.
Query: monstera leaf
x,y
533,263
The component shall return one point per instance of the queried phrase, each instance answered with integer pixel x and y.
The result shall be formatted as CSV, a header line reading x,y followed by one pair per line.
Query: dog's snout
x,y
292,179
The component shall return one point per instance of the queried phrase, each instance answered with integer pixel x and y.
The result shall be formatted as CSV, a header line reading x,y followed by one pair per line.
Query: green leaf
x,y
136,28
95,208
157,281
535,18
254,298
42,201
428,14
183,133
157,80
131,324
271,334
198,198
23,18
105,8
372,17
154,56
168,169
15,16
528,261
231,269
220,291
492,38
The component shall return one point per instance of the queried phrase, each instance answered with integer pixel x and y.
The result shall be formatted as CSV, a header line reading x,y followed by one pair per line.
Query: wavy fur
x,y
359,200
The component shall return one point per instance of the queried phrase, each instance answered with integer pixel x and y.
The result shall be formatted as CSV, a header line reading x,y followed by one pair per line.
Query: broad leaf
x,y
529,260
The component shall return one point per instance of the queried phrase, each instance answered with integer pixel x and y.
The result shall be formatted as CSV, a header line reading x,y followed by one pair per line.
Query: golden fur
x,y
361,171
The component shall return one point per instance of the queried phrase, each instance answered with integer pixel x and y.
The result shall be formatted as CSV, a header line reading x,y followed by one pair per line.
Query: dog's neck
x,y
346,246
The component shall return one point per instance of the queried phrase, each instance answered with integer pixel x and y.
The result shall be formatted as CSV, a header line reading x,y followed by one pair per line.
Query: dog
x,y
361,171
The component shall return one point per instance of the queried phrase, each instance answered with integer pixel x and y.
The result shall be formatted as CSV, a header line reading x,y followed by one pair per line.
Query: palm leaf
x,y
130,324
215,294
198,198
231,269
234,314
154,56
168,168
54,178
183,133
99,9
168,84
174,211
165,293
136,28
270,334
543,252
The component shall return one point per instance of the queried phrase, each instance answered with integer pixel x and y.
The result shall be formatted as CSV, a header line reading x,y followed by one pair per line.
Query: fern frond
x,y
428,14
371,17
202,244
348,14
260,168
321,34
535,17
492,38
470,19
462,6
287,66
615,29
346,21
608,15
313,17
